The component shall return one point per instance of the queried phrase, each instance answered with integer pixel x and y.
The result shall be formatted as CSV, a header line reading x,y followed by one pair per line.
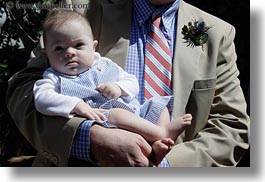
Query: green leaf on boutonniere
x,y
195,33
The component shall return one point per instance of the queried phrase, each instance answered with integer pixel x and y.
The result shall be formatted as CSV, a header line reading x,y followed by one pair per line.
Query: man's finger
x,y
144,146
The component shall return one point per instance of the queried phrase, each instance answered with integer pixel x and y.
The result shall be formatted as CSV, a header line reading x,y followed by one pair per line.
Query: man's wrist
x,y
81,145
93,130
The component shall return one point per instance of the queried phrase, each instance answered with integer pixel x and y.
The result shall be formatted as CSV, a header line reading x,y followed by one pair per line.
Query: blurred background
x,y
20,29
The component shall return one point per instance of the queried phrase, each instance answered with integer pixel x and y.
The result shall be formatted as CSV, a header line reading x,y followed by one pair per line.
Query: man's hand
x,y
83,109
110,90
116,147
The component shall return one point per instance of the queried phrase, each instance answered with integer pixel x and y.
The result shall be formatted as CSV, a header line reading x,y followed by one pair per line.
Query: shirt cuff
x,y
81,145
164,163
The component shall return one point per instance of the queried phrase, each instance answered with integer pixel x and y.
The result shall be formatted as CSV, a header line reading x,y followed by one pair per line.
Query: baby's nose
x,y
70,52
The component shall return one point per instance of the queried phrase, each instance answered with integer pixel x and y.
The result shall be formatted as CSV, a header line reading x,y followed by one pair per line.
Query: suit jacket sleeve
x,y
52,137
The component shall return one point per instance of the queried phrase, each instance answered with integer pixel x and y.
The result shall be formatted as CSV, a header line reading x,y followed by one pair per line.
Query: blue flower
x,y
195,33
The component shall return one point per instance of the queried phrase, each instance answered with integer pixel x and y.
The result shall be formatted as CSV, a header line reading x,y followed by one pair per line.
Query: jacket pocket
x,y
204,84
199,105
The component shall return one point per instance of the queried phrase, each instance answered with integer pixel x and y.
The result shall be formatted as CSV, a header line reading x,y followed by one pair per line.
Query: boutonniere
x,y
195,33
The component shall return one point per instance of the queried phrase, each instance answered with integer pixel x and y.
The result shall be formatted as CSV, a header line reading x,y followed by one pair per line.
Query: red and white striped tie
x,y
158,62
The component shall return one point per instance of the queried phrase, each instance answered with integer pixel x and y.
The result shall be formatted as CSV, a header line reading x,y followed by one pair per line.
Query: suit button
x,y
45,154
54,160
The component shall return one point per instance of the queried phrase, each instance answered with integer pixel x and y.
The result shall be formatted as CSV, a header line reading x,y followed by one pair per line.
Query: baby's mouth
x,y
72,63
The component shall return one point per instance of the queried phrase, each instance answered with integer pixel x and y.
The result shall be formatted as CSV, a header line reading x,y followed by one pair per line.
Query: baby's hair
x,y
58,17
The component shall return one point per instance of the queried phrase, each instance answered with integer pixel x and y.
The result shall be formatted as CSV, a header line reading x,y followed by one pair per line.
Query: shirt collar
x,y
143,10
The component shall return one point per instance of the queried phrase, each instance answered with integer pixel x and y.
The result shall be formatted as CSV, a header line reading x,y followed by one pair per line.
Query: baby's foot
x,y
178,125
159,150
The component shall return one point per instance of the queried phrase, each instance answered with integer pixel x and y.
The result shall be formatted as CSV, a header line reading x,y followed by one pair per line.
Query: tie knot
x,y
156,19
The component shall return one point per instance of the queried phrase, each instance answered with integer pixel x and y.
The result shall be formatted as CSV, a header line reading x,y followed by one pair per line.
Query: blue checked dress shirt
x,y
141,23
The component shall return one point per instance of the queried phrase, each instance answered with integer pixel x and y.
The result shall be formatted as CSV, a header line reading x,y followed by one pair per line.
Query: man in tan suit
x,y
204,82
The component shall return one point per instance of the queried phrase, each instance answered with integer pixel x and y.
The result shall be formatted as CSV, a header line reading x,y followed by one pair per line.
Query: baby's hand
x,y
110,90
83,109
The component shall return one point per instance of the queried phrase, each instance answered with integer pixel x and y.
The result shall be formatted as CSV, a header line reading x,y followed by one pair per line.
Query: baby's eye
x,y
79,45
58,48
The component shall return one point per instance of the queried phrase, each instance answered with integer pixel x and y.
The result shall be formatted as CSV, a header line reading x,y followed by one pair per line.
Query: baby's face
x,y
70,48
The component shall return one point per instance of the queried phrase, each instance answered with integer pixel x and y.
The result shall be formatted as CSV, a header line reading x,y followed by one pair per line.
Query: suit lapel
x,y
117,24
185,63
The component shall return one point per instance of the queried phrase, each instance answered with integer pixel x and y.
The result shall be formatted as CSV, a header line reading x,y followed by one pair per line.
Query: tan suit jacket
x,y
205,84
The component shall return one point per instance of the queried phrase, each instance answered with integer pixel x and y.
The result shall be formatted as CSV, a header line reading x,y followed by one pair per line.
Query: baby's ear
x,y
95,43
